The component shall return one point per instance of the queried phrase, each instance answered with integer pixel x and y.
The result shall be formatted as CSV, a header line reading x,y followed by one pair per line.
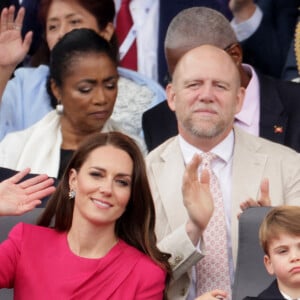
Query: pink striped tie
x,y
213,269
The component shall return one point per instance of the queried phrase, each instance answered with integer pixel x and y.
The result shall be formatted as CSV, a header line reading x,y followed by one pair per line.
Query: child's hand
x,y
213,295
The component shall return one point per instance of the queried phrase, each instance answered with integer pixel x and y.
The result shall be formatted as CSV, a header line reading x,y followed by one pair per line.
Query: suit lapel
x,y
271,293
273,120
247,169
247,174
169,170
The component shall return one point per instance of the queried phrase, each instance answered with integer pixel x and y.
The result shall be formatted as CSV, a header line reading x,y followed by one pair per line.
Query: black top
x,y
65,157
270,293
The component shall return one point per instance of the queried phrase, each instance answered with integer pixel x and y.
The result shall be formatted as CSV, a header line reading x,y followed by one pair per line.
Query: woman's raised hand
x,y
13,48
17,197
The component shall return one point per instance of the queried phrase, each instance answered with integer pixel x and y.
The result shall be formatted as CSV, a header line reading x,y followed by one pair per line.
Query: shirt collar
x,y
223,150
252,99
287,297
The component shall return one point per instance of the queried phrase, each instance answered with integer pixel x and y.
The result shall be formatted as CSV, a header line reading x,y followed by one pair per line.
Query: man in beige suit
x,y
205,94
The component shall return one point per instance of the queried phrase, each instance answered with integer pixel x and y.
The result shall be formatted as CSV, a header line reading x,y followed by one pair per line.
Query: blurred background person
x,y
265,29
138,22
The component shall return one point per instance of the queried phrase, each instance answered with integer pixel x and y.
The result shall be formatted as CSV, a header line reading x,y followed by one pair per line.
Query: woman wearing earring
x,y
24,97
102,244
83,82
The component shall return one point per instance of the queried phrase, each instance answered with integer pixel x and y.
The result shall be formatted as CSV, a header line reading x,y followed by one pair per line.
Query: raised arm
x,y
18,197
13,48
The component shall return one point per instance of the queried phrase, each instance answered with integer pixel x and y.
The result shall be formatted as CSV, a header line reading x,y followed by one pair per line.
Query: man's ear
x,y
171,96
236,52
268,264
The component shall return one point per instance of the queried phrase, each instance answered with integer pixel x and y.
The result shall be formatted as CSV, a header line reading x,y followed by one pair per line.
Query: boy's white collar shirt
x,y
287,297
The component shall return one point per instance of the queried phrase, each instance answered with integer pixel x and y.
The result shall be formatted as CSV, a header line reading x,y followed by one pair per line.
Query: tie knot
x,y
207,158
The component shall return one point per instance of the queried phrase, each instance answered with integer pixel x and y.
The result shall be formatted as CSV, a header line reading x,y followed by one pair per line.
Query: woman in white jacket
x,y
83,83
24,99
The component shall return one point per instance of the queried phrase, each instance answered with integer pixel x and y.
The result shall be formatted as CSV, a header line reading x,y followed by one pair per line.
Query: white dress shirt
x,y
222,167
249,116
288,297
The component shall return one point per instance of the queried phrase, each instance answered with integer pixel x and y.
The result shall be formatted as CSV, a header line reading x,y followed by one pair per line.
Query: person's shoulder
x,y
41,70
162,150
22,135
141,79
263,145
30,81
36,229
159,108
286,88
148,266
25,230
144,262
271,292
131,88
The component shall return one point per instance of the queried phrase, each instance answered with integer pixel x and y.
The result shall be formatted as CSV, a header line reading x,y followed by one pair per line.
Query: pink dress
x,y
38,263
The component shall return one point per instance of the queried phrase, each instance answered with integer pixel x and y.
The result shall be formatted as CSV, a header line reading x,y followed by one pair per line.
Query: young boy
x,y
279,236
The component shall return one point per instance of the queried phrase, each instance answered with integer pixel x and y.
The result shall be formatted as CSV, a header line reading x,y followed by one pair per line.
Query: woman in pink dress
x,y
95,239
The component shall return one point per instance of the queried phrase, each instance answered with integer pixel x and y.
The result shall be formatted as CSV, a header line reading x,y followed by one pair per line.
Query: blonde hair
x,y
281,219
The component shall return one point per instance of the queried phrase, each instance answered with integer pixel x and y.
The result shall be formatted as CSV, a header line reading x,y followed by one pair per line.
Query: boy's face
x,y
284,261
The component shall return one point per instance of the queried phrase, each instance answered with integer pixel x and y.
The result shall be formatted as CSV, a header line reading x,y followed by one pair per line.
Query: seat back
x,y
251,277
6,224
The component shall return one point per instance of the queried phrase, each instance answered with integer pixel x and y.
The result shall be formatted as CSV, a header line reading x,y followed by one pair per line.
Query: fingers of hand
x,y
3,21
192,167
219,294
264,187
204,179
19,176
27,207
11,14
265,193
215,294
190,175
248,203
10,18
19,19
36,183
41,194
7,19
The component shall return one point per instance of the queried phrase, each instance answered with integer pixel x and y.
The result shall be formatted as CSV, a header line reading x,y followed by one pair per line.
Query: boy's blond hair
x,y
281,219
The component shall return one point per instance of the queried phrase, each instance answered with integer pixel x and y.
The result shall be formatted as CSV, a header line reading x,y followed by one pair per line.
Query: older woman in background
x,y
83,83
24,97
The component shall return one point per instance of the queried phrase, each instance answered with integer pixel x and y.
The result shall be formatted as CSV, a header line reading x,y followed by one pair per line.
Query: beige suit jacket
x,y
254,159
